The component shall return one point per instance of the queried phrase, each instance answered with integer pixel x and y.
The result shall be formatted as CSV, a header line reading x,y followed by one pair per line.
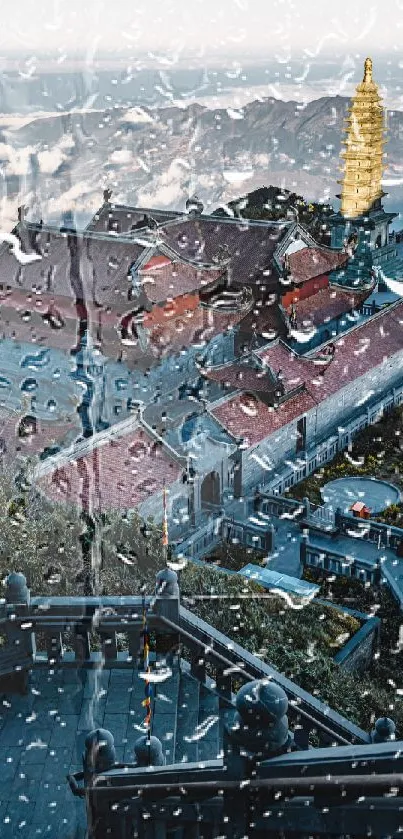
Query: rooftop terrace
x,y
79,660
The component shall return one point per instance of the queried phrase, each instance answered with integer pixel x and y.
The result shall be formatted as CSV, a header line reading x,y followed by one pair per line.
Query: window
x,y
27,426
301,434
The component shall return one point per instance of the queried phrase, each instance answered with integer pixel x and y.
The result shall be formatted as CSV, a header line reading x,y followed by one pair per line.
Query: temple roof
x,y
123,219
164,280
356,352
326,304
246,416
180,329
242,377
92,269
248,247
308,263
118,473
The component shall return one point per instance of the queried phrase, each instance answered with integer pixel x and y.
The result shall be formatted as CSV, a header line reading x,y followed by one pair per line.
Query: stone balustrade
x,y
268,724
379,532
105,632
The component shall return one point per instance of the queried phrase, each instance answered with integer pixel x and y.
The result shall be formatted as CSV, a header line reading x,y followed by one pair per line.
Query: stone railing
x,y
314,792
254,534
205,538
385,535
275,505
305,712
275,729
335,562
79,632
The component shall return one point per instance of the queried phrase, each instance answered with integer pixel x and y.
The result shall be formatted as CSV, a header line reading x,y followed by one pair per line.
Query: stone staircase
x,y
186,719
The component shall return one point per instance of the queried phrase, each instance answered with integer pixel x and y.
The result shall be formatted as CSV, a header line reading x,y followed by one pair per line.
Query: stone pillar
x,y
270,538
307,504
17,591
148,751
167,595
383,731
166,605
99,754
260,727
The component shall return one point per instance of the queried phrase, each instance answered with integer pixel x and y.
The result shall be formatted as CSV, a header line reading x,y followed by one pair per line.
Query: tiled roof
x,y
250,248
308,263
156,262
265,319
356,352
197,327
326,304
246,416
242,377
126,217
47,434
71,266
172,279
294,369
119,474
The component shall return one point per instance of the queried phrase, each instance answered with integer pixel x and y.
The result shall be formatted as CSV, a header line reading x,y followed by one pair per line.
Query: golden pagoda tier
x,y
363,155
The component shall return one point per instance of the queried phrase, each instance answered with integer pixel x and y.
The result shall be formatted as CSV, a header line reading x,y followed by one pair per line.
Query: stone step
x,y
208,729
165,711
186,750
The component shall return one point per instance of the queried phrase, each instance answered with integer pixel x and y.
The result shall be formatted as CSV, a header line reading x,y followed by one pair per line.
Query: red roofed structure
x,y
157,261
120,474
355,353
309,269
326,304
246,416
169,280
321,395
292,369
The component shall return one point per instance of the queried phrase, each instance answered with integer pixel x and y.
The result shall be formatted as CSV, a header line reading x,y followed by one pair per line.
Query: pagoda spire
x,y
363,155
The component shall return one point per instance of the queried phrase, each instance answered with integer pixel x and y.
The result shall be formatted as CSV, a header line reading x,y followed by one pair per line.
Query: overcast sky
x,y
208,27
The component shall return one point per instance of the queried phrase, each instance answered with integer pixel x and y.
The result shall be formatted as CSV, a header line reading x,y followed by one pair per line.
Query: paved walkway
x,y
42,740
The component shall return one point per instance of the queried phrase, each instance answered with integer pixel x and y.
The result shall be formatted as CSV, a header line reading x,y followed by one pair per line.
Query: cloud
x,y
49,161
16,161
167,190
81,196
121,156
136,115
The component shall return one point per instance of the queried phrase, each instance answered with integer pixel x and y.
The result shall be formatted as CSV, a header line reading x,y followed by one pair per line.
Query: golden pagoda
x,y
363,156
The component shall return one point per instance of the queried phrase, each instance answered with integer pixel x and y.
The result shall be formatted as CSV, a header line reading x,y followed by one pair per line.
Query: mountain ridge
x,y
160,156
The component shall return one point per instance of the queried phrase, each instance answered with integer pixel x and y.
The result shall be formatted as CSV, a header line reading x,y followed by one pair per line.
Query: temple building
x,y
361,227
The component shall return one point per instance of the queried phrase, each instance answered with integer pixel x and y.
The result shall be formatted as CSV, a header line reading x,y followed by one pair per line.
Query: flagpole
x,y
147,685
165,538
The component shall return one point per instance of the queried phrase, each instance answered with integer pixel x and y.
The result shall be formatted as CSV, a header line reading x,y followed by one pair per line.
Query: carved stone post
x,y
383,731
99,754
148,751
167,606
167,595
